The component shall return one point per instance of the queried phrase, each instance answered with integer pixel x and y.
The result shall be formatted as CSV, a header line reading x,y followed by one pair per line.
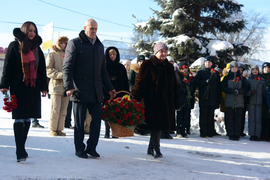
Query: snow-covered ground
x,y
126,158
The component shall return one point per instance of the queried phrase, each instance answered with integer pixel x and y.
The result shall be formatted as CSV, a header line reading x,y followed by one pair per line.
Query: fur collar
x,y
135,67
19,35
157,62
56,48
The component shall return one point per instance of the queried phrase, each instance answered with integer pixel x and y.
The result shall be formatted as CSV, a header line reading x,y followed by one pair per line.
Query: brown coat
x,y
156,85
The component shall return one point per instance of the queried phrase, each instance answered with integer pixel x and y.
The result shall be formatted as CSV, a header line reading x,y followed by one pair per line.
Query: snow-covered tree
x,y
183,25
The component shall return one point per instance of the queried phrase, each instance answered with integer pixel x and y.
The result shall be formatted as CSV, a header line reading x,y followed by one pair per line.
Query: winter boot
x,y
150,149
19,140
156,143
107,130
188,130
183,132
25,133
60,133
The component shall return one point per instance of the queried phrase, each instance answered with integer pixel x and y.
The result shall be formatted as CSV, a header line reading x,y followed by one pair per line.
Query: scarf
x,y
29,67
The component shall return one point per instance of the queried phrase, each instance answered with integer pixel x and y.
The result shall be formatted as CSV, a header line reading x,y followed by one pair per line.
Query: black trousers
x,y
68,116
154,142
183,118
206,121
79,110
233,118
265,128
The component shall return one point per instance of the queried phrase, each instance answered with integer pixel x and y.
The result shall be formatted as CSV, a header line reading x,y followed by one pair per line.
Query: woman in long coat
x,y
156,85
24,74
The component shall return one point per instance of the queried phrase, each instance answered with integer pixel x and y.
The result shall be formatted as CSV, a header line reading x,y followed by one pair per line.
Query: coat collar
x,y
84,38
157,62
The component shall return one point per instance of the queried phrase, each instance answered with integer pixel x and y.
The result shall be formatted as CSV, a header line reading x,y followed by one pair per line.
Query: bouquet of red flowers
x,y
213,71
123,111
10,102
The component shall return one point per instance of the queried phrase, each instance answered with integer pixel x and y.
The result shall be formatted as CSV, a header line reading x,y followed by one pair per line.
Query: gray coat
x,y
229,87
84,69
259,86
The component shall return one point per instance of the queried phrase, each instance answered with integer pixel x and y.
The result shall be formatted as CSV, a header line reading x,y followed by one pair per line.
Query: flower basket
x,y
123,115
120,131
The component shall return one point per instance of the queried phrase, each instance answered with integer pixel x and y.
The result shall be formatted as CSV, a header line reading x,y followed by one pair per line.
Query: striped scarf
x,y
29,67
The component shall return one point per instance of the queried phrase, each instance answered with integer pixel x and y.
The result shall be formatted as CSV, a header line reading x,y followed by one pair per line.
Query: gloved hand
x,y
236,92
207,81
253,92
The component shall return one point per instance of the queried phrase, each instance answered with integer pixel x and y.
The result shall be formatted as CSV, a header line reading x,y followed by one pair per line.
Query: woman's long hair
x,y
26,43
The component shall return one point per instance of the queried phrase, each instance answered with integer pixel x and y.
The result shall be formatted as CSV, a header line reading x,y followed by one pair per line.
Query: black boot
x,y
183,132
150,149
156,143
25,133
19,140
188,130
107,130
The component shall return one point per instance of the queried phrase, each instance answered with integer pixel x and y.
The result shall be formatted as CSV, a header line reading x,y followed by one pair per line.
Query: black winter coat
x,y
183,93
265,113
117,74
156,85
29,98
84,69
213,97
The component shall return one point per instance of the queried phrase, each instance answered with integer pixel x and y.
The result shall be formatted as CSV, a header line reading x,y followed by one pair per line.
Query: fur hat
x,y
61,39
159,46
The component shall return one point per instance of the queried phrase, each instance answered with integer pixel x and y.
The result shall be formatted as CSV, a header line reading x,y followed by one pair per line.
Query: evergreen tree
x,y
184,24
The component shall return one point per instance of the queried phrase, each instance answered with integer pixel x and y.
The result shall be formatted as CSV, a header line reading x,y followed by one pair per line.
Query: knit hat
x,y
242,67
209,58
233,64
255,67
170,58
128,62
265,64
159,46
140,58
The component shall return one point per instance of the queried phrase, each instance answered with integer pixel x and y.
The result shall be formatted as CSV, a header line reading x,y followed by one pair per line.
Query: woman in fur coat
x,y
24,75
156,85
59,103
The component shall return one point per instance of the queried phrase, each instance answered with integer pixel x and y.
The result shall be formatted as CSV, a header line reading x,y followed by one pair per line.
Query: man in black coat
x,y
84,75
208,82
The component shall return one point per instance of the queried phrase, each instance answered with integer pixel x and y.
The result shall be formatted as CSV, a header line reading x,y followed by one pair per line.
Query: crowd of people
x,y
83,77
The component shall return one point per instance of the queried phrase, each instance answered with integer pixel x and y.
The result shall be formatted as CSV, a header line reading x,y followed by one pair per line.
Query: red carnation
x,y
125,117
5,99
125,99
126,106
106,109
238,78
137,117
104,116
259,79
134,100
111,114
139,105
129,114
121,105
138,109
117,109
119,121
132,122
143,111
63,56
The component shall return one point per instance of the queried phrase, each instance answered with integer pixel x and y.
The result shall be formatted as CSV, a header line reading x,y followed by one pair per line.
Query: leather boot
x,y
19,140
107,130
156,143
25,133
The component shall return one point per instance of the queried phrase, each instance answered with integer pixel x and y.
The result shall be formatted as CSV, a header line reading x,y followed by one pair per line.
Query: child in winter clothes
x,y
234,87
186,97
54,64
256,91
265,134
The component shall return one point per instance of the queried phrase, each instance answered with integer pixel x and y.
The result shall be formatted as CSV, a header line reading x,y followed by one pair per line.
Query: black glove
x,y
253,92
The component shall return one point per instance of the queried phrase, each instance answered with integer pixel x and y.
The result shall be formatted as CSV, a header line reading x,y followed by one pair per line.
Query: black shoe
x,y
231,138
236,138
188,130
243,135
115,137
158,155
106,136
257,138
19,159
252,138
150,151
37,125
92,153
81,154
